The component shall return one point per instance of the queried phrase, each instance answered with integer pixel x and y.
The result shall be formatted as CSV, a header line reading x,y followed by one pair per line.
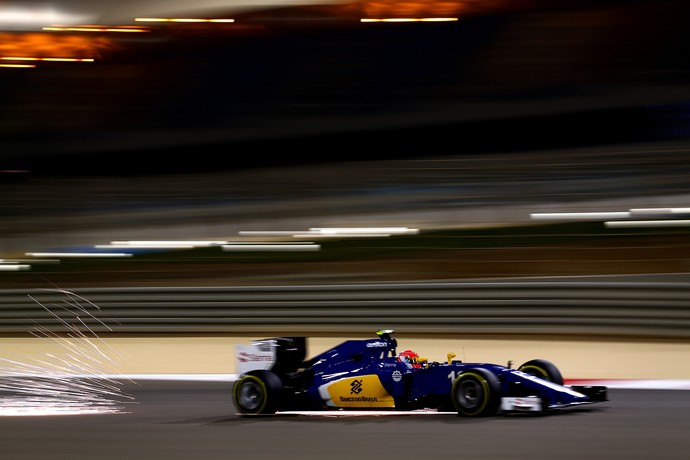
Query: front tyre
x,y
476,393
257,393
543,369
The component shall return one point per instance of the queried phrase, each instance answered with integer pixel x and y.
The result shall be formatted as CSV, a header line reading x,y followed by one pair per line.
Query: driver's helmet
x,y
410,358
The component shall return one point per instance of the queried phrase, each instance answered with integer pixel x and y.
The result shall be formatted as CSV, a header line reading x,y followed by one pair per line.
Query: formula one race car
x,y
371,374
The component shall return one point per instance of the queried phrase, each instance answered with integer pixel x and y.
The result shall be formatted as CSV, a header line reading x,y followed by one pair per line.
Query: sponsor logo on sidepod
x,y
356,387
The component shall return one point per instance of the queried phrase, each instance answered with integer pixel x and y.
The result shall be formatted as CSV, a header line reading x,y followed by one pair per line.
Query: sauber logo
x,y
397,376
356,387
245,357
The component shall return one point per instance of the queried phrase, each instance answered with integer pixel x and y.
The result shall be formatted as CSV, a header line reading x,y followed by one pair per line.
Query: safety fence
x,y
630,309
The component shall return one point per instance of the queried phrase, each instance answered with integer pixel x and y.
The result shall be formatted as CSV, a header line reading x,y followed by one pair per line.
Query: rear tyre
x,y
543,369
476,393
257,393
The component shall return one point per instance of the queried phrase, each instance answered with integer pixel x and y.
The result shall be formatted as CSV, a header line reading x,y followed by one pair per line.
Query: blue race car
x,y
370,374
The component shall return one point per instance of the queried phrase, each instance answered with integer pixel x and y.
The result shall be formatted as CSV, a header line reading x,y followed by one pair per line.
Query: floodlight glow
x,y
31,18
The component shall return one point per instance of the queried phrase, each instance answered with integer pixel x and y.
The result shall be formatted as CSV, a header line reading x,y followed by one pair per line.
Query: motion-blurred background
x,y
161,121
374,142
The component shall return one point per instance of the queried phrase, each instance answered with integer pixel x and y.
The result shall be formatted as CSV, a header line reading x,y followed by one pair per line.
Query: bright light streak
x,y
580,215
227,20
78,254
57,59
271,247
33,261
341,235
182,244
408,19
269,232
322,232
19,66
94,29
364,230
19,58
13,267
152,20
145,246
54,59
659,211
187,20
635,212
648,223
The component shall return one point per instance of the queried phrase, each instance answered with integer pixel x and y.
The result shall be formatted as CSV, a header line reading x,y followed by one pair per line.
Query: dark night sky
x,y
284,88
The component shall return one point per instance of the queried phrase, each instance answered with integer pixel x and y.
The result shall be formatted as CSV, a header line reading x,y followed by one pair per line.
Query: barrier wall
x,y
626,309
591,330
214,354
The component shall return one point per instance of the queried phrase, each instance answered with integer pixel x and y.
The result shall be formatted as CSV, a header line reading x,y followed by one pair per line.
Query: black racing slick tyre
x,y
476,393
543,369
257,393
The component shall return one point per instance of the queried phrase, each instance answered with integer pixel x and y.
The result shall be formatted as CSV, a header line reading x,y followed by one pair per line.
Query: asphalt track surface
x,y
196,420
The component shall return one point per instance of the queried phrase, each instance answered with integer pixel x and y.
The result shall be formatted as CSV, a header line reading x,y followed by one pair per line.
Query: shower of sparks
x,y
77,381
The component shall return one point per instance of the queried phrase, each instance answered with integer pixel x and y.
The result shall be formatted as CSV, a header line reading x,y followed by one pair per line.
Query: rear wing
x,y
281,355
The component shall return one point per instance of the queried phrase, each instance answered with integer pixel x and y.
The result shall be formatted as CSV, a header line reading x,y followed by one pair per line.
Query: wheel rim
x,y
250,396
470,394
537,372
